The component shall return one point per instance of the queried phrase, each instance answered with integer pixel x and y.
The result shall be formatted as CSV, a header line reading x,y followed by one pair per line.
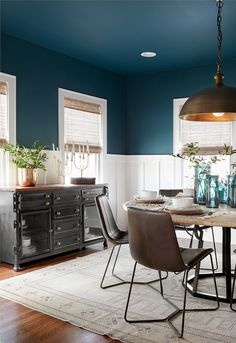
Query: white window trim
x,y
176,123
10,80
62,94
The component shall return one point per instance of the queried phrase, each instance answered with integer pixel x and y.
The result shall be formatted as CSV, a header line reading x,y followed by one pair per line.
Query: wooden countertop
x,y
49,187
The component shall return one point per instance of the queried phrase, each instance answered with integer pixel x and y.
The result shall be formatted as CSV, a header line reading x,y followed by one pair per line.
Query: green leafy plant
x,y
228,150
191,153
31,158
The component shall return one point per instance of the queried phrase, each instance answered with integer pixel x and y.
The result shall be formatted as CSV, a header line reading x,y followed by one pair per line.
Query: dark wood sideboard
x,y
42,221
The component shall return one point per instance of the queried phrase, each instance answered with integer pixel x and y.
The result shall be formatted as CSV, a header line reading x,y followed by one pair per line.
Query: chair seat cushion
x,y
192,256
123,238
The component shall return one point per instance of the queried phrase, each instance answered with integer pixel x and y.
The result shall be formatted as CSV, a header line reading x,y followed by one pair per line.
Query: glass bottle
x,y
200,184
212,191
233,192
229,182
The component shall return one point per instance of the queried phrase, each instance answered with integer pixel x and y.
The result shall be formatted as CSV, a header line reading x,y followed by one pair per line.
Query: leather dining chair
x,y
114,235
192,230
153,244
233,287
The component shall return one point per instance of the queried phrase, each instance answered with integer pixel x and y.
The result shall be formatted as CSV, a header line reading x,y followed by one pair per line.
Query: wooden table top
x,y
224,216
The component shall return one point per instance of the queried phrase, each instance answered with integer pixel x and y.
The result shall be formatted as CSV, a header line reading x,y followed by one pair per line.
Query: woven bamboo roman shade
x,y
3,114
82,123
211,136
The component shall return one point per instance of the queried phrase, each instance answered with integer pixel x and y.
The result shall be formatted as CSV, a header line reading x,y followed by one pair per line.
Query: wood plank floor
x,y
19,324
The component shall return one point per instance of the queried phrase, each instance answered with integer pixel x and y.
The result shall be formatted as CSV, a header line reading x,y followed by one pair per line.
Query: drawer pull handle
x,y
77,210
77,239
58,244
58,198
58,213
47,196
59,228
47,203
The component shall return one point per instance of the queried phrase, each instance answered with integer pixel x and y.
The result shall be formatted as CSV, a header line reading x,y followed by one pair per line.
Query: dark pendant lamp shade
x,y
215,104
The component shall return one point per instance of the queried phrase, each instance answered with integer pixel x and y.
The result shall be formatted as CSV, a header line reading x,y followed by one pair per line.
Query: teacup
x,y
182,202
147,194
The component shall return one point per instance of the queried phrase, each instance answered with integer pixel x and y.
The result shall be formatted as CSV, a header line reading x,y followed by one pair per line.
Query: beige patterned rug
x,y
70,291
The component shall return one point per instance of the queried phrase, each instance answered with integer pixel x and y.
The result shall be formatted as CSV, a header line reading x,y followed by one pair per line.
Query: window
x,y
210,136
7,126
81,129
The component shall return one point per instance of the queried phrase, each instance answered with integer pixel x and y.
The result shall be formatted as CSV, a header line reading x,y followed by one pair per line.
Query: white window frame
x,y
177,103
10,80
64,93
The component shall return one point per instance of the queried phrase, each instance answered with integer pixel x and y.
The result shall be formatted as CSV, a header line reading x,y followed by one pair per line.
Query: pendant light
x,y
215,104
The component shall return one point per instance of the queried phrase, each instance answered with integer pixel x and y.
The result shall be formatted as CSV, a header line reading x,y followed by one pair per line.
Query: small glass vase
x,y
232,195
223,192
200,184
212,191
229,182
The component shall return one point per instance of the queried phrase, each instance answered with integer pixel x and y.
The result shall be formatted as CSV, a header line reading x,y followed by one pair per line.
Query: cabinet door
x,y
91,226
35,232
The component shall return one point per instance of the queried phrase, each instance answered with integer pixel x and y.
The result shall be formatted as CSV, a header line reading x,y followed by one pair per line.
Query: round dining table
x,y
222,218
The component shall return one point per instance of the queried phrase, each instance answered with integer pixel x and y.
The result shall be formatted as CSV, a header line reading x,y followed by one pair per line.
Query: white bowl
x,y
147,194
182,202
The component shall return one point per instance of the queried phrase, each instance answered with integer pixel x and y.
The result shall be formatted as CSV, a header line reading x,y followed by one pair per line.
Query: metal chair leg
x,y
117,254
176,309
103,277
214,245
122,282
232,295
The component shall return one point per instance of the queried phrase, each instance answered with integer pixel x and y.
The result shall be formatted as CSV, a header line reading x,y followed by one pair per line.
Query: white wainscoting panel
x,y
128,175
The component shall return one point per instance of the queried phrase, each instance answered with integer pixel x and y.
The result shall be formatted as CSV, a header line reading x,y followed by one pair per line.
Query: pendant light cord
x,y
219,4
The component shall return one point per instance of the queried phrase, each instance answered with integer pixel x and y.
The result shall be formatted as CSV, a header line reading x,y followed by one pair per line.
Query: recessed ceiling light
x,y
148,54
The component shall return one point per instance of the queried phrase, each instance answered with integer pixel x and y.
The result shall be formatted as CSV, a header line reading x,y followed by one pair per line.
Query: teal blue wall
x,y
140,108
40,72
150,104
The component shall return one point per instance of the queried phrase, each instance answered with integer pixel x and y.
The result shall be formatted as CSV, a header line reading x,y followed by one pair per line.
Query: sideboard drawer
x,y
66,225
61,212
64,242
60,197
90,194
28,201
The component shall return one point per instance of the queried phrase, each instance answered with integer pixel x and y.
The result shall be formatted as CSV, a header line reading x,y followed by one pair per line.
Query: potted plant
x,y
27,160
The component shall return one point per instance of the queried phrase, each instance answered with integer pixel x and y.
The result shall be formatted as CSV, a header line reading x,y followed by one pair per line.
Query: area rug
x,y
70,291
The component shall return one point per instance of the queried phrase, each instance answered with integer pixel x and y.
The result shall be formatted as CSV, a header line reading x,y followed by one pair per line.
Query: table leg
x,y
197,269
226,259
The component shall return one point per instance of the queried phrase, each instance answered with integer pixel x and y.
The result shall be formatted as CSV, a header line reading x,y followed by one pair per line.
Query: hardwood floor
x,y
19,324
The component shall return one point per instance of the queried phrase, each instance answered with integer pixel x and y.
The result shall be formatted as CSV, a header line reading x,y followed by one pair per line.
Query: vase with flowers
x,y
202,168
231,179
28,161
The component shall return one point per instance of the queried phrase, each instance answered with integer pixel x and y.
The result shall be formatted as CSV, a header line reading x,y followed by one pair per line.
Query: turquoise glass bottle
x,y
212,191
229,183
232,200
223,192
200,184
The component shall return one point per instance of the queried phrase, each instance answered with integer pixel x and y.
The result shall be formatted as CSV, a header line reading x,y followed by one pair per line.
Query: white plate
x,y
138,197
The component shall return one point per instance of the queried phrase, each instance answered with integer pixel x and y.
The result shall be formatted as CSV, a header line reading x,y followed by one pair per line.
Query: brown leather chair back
x,y
109,228
170,192
153,241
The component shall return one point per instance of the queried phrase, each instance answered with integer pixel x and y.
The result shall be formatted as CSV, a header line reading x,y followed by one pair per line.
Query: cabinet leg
x,y
16,268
